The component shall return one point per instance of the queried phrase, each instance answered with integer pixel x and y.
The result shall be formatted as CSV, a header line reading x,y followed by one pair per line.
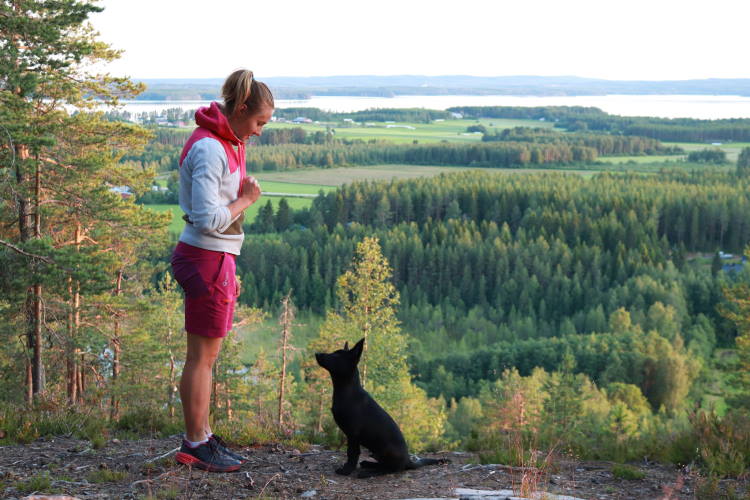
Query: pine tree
x,y
283,216
368,303
285,320
62,164
738,312
743,163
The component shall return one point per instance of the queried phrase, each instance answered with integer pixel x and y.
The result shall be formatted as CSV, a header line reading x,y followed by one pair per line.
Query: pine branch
x,y
44,259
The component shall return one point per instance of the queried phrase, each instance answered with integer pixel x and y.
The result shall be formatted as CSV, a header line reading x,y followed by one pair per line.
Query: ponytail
x,y
242,88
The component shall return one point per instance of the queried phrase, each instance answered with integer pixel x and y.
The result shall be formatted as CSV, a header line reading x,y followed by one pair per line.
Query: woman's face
x,y
246,126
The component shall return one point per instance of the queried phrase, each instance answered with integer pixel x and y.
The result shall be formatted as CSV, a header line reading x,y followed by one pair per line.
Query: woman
x,y
214,192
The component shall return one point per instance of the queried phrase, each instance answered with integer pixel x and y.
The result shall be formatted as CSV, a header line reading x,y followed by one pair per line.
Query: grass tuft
x,y
40,483
623,471
106,476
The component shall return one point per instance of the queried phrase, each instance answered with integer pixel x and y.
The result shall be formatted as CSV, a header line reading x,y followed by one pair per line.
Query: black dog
x,y
363,421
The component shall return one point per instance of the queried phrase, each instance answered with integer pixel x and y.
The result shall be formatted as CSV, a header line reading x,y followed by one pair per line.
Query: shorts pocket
x,y
224,287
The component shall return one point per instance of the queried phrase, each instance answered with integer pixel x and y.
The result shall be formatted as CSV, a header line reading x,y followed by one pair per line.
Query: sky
x,y
609,39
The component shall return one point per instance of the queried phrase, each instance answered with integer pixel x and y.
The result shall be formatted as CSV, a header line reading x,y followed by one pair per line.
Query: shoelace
x,y
218,440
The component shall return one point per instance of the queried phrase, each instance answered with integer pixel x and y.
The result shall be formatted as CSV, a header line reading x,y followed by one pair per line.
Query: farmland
x,y
406,132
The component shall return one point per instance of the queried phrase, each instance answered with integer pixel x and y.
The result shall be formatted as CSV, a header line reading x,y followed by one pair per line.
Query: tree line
x,y
577,118
480,155
605,144
414,115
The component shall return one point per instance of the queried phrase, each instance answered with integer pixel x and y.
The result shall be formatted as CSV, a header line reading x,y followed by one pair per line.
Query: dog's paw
x,y
366,464
345,470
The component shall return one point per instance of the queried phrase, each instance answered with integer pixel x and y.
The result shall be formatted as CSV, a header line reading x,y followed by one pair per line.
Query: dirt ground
x,y
146,469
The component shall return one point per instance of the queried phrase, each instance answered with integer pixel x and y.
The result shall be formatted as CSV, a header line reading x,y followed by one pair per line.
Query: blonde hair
x,y
242,88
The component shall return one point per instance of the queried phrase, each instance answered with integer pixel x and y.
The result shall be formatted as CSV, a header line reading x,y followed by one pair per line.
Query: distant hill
x,y
292,87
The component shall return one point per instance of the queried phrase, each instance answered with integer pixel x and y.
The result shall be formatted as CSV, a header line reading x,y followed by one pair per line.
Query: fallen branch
x,y
275,476
162,456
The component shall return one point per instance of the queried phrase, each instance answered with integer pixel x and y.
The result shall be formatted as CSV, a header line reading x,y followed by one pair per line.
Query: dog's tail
x,y
417,462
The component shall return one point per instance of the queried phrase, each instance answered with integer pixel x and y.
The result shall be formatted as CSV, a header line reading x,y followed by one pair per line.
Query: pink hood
x,y
212,123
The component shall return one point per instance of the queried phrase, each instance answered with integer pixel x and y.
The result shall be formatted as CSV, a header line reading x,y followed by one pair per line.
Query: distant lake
x,y
667,106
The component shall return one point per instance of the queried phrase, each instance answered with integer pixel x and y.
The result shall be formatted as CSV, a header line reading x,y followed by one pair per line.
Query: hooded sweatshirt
x,y
212,165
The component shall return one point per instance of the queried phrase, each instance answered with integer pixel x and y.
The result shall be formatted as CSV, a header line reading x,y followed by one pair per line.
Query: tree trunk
x,y
29,383
74,382
70,376
214,386
363,361
172,379
37,363
319,426
29,226
287,316
81,377
114,405
74,320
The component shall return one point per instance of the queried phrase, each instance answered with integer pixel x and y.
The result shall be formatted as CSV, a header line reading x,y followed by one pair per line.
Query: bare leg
x,y
195,384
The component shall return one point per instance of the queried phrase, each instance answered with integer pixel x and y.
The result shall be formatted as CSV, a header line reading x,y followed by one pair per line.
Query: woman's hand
x,y
248,195
250,189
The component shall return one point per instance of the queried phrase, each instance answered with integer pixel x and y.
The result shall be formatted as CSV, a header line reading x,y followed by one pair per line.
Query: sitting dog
x,y
363,421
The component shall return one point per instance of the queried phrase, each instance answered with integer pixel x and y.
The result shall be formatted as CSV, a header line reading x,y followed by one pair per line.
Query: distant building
x,y
302,119
123,191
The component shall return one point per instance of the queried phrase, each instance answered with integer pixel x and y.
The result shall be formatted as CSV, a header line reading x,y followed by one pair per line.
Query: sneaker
x,y
222,445
207,456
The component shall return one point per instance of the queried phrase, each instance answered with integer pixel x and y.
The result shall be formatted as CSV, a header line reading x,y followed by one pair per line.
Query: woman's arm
x,y
208,161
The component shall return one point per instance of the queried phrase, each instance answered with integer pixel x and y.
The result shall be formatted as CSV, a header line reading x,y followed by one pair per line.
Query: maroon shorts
x,y
208,279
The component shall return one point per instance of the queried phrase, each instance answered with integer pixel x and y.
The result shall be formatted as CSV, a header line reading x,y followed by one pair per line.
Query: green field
x,y
177,223
292,188
732,149
642,159
345,175
448,130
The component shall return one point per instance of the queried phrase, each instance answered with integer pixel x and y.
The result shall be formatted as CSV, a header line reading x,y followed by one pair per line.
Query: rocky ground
x,y
146,469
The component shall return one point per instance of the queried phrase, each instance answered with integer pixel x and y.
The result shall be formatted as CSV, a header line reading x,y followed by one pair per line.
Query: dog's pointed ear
x,y
357,349
346,345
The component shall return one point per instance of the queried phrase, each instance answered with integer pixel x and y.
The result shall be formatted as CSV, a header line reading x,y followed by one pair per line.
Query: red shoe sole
x,y
190,460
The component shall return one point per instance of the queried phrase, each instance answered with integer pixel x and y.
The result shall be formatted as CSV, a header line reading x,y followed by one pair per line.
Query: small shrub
x,y
98,442
39,483
246,434
622,471
723,443
512,448
96,431
48,418
24,432
147,421
707,488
